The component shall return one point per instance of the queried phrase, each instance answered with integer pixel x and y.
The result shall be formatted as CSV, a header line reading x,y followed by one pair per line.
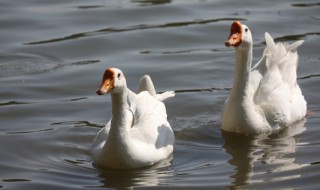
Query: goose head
x,y
240,36
113,81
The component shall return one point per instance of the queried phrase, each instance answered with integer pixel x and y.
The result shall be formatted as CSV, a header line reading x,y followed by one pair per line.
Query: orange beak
x,y
235,37
107,83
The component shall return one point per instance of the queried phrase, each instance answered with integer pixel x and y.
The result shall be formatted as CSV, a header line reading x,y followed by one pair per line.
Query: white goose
x,y
266,97
138,134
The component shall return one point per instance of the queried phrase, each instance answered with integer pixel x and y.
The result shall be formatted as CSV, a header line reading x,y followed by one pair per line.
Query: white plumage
x,y
138,134
266,97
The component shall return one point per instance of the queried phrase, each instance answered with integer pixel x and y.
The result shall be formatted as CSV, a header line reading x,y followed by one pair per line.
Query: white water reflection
x,y
255,157
127,179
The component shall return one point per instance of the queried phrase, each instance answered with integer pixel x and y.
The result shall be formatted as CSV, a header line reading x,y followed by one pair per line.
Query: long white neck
x,y
118,138
119,121
241,80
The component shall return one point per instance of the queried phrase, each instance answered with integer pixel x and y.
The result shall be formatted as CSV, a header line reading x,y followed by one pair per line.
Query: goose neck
x,y
242,73
119,107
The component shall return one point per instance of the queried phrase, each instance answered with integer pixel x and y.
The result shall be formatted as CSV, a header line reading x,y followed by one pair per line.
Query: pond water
x,y
53,55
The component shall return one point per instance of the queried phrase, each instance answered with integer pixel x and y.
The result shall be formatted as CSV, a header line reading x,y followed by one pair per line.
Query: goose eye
x,y
119,75
246,29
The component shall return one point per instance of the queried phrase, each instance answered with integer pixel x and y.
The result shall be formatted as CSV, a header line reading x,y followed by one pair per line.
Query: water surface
x,y
53,55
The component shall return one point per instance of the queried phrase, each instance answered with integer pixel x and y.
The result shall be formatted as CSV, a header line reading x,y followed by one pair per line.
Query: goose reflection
x,y
127,179
253,156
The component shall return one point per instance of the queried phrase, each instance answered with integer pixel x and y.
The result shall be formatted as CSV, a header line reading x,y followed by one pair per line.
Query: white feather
x,y
272,97
138,134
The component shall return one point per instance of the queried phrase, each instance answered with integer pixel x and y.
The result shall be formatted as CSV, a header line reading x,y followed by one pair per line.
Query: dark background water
x,y
52,57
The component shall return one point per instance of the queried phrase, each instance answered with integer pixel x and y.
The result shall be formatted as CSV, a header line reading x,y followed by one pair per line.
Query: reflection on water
x,y
265,151
150,176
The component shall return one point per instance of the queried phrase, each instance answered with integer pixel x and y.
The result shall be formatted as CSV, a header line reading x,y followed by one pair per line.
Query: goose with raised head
x,y
138,133
266,97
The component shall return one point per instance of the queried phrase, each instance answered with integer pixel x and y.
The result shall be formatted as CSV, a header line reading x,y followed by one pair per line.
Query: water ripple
x,y
11,103
109,30
309,76
305,4
16,180
26,132
213,89
297,36
78,124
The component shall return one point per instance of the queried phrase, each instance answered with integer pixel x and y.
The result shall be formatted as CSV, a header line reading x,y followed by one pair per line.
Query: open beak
x,y
235,37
